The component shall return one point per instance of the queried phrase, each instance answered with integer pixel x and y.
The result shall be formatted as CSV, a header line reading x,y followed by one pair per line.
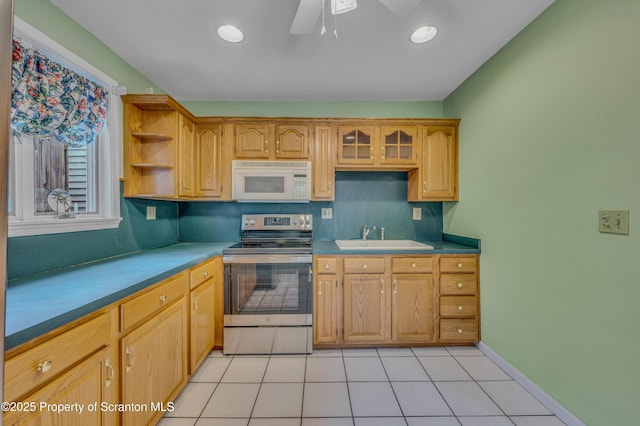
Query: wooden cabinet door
x,y
365,308
154,363
325,315
292,141
208,158
88,383
252,141
412,307
440,164
398,145
324,168
356,144
218,300
186,157
202,323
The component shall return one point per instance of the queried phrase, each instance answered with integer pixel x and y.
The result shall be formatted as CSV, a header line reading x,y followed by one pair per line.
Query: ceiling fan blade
x,y
401,7
306,17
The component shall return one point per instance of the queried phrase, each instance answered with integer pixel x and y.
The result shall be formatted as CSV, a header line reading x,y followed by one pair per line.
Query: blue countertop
x,y
40,303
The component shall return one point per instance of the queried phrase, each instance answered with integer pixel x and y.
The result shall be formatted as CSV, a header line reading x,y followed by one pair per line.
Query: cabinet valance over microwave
x,y
271,181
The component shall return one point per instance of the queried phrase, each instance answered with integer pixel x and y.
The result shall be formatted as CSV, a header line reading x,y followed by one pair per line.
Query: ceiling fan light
x,y
424,34
230,33
342,6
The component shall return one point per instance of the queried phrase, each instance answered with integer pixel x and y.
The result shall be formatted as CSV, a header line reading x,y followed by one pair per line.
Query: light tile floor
x,y
357,387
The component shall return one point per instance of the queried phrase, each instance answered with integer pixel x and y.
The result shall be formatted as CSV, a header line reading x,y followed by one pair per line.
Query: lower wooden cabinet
x,y
396,300
154,364
202,333
88,391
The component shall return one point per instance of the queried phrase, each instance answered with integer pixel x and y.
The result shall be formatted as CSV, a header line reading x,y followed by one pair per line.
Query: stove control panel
x,y
277,222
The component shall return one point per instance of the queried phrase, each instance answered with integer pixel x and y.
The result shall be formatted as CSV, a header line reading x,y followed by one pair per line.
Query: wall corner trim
x,y
545,399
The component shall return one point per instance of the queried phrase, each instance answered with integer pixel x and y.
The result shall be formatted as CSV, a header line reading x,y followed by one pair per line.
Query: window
x,y
55,187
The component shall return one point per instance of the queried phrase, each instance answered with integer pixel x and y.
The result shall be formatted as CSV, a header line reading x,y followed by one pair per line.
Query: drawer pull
x,y
45,366
459,265
320,289
460,307
163,298
413,265
395,286
459,331
381,285
111,373
205,274
129,359
364,266
195,305
459,285
326,266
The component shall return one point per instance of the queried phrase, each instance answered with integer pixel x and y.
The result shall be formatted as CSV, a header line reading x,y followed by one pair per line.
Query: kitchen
x,y
534,169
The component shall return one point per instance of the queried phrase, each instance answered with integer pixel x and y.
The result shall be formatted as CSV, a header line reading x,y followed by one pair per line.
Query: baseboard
x,y
544,398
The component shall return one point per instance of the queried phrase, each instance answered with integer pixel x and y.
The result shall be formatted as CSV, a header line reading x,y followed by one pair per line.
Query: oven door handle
x,y
267,258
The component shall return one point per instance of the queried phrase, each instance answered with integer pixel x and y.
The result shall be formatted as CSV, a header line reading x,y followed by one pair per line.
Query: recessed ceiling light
x,y
424,34
230,33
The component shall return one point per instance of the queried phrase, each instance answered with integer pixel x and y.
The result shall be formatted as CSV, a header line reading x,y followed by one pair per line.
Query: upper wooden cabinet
x,y
271,141
158,139
211,170
437,177
393,145
324,167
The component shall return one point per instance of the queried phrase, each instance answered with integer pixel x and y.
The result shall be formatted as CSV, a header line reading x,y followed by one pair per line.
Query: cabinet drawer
x,y
325,265
458,284
147,304
200,273
45,361
359,265
458,306
458,330
458,264
412,264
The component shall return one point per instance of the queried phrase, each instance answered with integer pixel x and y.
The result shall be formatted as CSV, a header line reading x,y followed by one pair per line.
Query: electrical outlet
x,y
417,213
151,213
327,213
613,221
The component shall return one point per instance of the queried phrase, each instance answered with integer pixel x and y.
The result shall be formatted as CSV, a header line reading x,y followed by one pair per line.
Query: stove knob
x,y
246,222
252,222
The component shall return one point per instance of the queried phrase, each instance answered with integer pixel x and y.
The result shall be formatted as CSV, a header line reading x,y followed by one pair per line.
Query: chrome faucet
x,y
365,231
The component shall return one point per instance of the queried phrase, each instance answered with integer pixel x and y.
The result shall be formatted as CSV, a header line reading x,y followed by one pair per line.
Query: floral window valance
x,y
50,99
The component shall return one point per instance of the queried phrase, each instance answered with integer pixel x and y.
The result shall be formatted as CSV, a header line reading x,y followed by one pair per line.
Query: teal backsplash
x,y
39,253
362,198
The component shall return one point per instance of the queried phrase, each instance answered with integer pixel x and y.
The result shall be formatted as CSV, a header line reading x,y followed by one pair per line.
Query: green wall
x,y
549,135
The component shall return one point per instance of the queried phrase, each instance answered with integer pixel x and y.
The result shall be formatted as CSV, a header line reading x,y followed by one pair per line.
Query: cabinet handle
x,y
320,289
459,331
195,305
130,359
205,274
364,266
277,147
163,298
460,307
329,183
371,152
110,373
395,286
382,153
45,366
459,265
381,285
413,265
326,266
424,187
459,285
266,146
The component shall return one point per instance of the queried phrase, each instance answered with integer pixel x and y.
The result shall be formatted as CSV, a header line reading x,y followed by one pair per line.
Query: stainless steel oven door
x,y
268,290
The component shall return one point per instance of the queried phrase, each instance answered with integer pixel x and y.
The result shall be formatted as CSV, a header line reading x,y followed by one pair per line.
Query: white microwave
x,y
271,181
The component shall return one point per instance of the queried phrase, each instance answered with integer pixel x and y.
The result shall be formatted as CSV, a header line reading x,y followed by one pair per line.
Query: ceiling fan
x,y
309,11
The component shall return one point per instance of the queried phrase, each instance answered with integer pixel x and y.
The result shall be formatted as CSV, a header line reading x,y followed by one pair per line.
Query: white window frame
x,y
24,222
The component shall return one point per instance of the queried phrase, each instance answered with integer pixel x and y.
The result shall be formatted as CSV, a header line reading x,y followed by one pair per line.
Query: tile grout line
x,y
391,386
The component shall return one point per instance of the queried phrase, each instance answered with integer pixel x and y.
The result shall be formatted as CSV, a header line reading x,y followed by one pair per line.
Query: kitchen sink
x,y
381,245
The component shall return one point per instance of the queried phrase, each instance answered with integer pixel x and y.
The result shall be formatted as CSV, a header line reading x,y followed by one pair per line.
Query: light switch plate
x,y
613,221
327,213
151,213
417,213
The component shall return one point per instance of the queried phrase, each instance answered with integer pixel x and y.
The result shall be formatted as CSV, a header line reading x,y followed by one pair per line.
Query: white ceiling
x,y
174,44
